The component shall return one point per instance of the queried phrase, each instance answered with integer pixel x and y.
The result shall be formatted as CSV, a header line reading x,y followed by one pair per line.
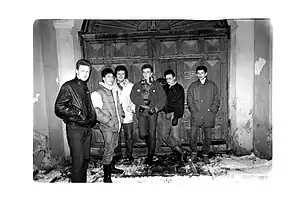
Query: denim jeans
x,y
110,143
170,134
128,134
206,140
147,128
79,140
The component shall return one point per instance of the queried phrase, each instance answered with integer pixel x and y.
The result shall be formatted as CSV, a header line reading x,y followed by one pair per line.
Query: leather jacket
x,y
73,104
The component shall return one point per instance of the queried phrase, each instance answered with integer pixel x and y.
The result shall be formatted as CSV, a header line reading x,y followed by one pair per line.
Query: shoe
x,y
149,159
130,158
193,156
181,154
107,174
205,159
115,170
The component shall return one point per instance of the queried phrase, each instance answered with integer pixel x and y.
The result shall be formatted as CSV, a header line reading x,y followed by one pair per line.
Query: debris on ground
x,y
165,169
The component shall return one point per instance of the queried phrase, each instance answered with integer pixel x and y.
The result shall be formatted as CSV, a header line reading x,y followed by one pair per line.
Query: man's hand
x,y
152,111
174,121
82,117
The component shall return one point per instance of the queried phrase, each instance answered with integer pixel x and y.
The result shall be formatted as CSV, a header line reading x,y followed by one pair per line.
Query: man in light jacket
x,y
110,117
124,90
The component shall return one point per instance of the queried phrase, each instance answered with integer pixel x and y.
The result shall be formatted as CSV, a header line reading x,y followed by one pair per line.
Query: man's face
x,y
147,73
170,79
109,79
120,75
83,72
201,74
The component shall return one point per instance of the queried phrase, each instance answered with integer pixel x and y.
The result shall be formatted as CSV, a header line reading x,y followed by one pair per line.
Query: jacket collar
x,y
173,84
80,82
106,86
124,83
205,81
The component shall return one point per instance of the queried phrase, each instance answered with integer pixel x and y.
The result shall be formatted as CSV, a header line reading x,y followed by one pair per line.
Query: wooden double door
x,y
180,53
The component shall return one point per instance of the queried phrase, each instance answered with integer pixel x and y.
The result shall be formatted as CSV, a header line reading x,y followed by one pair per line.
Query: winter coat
x,y
73,104
124,91
108,108
203,102
156,95
175,100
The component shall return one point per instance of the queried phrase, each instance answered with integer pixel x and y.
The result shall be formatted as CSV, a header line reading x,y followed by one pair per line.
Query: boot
x,y
149,159
107,174
193,156
130,158
181,153
115,170
205,159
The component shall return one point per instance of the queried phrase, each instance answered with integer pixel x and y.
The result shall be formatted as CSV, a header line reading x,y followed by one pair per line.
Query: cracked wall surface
x,y
262,107
241,86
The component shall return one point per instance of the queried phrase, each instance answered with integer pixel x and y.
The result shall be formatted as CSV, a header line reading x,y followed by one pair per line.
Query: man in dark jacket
x,y
203,102
149,97
74,106
172,113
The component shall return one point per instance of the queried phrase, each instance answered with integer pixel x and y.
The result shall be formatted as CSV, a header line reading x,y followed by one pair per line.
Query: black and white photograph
x,y
162,99
152,100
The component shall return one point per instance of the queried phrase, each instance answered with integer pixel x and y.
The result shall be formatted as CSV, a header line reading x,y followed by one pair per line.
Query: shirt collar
x,y
173,84
202,81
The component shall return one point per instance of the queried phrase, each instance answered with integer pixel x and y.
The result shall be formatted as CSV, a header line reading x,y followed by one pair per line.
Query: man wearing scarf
x,y
149,98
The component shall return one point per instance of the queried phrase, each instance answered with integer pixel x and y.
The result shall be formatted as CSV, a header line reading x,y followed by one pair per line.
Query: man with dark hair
x,y
173,112
124,90
203,102
149,97
74,106
110,117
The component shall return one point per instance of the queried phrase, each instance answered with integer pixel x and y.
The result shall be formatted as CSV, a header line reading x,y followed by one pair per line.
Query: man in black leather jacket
x,y
74,106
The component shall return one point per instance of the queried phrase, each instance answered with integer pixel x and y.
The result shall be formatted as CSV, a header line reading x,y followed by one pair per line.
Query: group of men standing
x,y
113,104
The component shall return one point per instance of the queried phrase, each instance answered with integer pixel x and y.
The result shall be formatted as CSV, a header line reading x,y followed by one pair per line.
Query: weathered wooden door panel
x,y
95,49
189,47
163,64
166,48
182,55
119,49
138,48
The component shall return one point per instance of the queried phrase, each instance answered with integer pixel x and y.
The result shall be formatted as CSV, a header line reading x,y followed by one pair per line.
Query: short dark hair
x,y
121,68
201,67
169,71
106,71
147,66
83,62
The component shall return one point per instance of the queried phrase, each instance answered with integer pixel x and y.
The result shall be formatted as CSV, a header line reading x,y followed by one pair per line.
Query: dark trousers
x,y
128,135
170,134
206,140
110,143
79,140
147,129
